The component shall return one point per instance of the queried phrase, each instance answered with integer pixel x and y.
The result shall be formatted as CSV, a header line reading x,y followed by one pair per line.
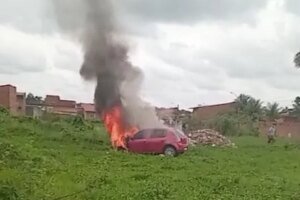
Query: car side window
x,y
158,133
140,135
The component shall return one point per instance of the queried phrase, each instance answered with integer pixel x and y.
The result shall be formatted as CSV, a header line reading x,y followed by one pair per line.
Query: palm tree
x,y
254,108
241,102
246,104
296,107
272,111
297,60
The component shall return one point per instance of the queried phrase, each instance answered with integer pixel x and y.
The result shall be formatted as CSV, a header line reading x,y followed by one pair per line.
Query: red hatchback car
x,y
166,141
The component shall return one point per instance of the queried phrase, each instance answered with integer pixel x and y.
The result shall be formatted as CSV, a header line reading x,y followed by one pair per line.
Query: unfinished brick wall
x,y
21,103
55,105
165,113
8,97
284,126
52,99
210,112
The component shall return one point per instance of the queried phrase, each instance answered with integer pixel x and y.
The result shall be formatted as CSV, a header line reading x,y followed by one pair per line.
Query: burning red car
x,y
166,141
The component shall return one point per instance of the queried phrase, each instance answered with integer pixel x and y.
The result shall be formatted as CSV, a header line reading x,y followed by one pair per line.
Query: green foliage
x,y
35,100
7,191
248,105
272,111
296,107
3,111
71,159
233,124
226,124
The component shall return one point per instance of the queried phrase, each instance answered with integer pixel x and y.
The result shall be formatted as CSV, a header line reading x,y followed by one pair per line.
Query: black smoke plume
x,y
94,24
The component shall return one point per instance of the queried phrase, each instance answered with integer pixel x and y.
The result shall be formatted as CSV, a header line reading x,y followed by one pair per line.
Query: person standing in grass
x,y
271,134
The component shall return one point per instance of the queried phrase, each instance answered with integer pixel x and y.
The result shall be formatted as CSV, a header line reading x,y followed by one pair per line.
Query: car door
x,y
156,141
137,142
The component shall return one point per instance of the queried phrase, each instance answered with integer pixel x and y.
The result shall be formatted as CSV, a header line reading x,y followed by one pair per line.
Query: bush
x,y
8,151
230,124
227,125
7,191
3,111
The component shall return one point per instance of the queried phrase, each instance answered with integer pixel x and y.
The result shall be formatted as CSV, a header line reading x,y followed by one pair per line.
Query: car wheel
x,y
170,151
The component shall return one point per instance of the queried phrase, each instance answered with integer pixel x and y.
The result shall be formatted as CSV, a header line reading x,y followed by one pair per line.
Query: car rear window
x,y
140,135
158,133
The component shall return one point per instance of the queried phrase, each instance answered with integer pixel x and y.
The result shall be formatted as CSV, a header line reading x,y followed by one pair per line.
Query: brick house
x,y
35,108
87,111
8,97
168,115
211,111
11,100
173,116
21,103
53,104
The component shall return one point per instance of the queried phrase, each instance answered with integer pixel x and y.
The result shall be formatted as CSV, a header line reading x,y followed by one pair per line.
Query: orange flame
x,y
115,127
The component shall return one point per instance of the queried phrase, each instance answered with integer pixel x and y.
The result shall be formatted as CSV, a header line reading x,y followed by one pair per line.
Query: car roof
x,y
167,129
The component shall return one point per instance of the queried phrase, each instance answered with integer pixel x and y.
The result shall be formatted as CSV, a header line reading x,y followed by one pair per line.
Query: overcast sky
x,y
192,52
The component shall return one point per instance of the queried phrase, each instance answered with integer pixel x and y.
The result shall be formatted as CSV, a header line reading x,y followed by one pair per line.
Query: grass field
x,y
53,159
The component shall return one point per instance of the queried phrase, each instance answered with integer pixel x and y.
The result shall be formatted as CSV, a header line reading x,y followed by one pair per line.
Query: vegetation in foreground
x,y
72,159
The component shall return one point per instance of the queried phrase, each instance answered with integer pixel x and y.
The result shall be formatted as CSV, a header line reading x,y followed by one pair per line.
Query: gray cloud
x,y
293,6
67,56
34,16
259,63
21,52
56,83
192,11
10,65
241,58
38,16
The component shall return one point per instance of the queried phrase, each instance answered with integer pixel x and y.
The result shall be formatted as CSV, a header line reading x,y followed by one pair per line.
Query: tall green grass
x,y
72,159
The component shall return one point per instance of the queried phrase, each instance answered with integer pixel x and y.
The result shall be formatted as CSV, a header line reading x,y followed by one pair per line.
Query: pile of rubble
x,y
209,137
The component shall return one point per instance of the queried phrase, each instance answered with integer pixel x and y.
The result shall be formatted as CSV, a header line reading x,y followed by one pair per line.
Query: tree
x,y
297,60
242,102
246,104
296,107
272,111
35,100
254,108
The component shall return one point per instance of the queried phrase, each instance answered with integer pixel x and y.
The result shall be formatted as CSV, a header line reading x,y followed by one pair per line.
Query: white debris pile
x,y
209,137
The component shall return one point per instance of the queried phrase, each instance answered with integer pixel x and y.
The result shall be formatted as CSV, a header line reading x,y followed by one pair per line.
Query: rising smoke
x,y
94,24
297,60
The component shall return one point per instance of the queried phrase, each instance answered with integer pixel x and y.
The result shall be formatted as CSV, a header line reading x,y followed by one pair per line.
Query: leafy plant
x,y
296,107
33,100
7,191
247,105
3,111
272,111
